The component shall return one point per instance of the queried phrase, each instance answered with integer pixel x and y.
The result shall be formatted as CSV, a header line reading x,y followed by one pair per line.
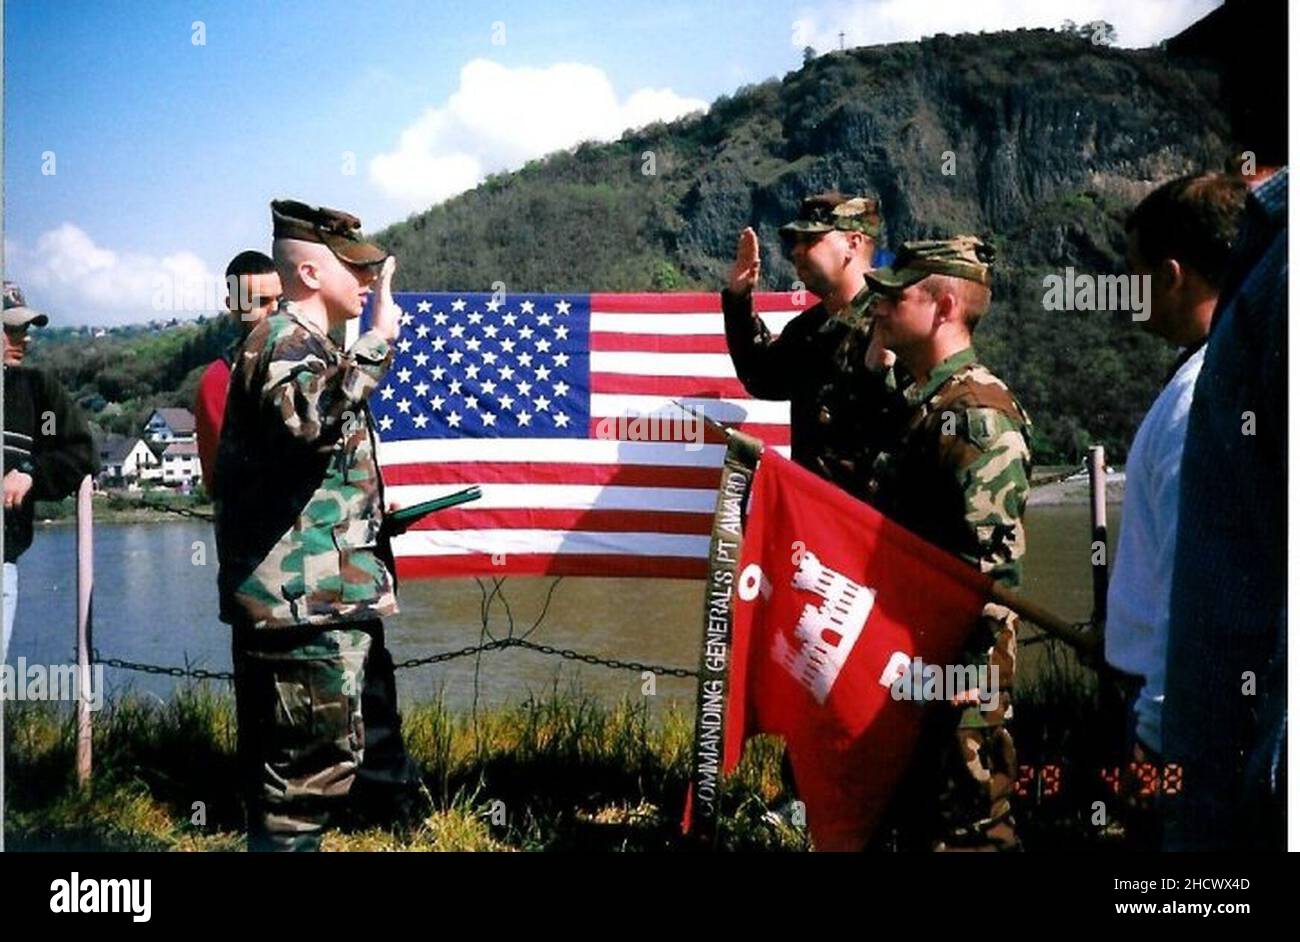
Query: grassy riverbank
x,y
567,772
122,507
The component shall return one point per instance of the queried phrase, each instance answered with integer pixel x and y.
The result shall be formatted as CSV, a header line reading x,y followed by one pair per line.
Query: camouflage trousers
x,y
956,794
319,732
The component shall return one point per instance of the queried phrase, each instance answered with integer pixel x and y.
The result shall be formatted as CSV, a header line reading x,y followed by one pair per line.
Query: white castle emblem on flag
x,y
826,634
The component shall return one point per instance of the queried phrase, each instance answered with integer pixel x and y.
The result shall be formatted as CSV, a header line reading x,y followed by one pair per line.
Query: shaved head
x,y
290,255
312,274
973,297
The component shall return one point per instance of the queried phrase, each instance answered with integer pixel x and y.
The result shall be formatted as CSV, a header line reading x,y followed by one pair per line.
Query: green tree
x,y
666,277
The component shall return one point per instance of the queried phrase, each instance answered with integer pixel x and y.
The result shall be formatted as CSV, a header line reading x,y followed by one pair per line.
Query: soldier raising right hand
x,y
305,579
837,381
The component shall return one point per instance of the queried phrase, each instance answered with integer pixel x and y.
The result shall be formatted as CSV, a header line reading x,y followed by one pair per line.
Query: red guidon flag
x,y
834,603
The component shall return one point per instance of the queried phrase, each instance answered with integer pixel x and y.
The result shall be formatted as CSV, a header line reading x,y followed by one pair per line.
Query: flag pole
x,y
1026,608
710,422
708,750
1053,624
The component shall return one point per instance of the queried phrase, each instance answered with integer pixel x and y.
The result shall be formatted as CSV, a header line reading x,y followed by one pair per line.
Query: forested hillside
x,y
1040,141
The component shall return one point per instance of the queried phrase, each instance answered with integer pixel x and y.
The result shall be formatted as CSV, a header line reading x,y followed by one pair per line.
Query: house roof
x,y
115,448
180,421
181,448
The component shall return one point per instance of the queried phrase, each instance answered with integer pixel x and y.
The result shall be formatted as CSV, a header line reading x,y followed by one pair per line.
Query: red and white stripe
x,y
596,507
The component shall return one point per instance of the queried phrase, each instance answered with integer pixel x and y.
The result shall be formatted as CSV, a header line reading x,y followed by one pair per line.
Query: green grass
x,y
569,773
122,506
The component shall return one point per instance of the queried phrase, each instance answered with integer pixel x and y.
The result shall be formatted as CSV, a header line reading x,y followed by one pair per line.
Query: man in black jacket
x,y
47,444
839,383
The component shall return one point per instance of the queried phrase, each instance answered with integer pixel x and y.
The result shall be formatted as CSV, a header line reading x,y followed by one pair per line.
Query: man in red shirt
x,y
254,291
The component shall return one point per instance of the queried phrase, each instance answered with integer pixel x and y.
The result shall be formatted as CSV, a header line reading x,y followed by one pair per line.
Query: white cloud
x,y
870,22
499,118
77,281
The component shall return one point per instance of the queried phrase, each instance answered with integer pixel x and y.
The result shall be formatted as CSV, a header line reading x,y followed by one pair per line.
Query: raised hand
x,y
387,314
745,271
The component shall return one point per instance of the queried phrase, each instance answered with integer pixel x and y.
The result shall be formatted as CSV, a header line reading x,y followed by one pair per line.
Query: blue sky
x,y
166,152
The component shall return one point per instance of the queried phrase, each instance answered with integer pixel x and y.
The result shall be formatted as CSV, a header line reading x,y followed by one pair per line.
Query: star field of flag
x,y
488,366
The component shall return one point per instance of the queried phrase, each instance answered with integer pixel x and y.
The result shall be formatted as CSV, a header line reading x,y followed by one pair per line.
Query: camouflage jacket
x,y
958,473
958,476
299,497
839,409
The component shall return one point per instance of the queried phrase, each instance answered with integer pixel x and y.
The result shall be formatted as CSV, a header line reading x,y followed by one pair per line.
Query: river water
x,y
156,602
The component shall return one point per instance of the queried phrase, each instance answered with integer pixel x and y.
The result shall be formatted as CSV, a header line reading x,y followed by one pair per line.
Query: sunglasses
x,y
791,239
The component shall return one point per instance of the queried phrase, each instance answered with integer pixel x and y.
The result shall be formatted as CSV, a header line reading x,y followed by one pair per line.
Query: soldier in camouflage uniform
x,y
956,474
839,384
304,580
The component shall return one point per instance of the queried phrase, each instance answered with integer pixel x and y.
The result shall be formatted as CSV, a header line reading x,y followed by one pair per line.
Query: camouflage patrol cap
x,y
17,313
827,211
338,230
961,257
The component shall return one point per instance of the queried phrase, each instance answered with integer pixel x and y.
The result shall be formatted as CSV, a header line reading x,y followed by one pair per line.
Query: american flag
x,y
516,394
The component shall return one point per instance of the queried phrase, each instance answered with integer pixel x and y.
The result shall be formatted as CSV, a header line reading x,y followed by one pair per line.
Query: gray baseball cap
x,y
17,313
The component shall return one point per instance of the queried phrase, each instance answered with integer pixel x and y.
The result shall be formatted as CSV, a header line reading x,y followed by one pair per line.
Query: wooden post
x,y
1100,561
1114,688
85,588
